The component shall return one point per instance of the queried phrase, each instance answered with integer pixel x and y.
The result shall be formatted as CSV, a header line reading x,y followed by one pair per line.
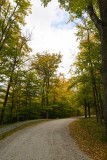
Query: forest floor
x,y
89,135
50,140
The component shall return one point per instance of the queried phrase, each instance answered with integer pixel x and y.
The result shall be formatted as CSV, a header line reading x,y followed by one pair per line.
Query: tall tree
x,y
46,65
12,44
19,50
87,70
90,49
97,10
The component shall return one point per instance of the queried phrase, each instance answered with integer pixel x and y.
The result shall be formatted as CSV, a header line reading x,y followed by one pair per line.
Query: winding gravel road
x,y
47,141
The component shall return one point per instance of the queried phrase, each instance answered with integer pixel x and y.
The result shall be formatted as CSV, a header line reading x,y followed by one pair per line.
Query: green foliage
x,y
87,81
13,46
46,64
33,89
74,7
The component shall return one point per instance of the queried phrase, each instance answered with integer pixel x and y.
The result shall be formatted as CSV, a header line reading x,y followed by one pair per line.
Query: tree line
x,y
30,86
96,10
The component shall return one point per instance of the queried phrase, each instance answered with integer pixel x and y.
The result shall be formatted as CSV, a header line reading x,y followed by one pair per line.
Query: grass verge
x,y
89,135
8,133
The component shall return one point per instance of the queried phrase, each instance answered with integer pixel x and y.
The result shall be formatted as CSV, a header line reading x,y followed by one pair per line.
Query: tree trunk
x,y
12,106
89,113
93,79
5,102
18,109
104,72
54,98
95,104
47,92
101,25
7,93
85,108
101,101
43,95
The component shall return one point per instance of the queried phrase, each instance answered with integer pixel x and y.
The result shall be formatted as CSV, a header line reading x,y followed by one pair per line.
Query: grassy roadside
x,y
90,137
8,133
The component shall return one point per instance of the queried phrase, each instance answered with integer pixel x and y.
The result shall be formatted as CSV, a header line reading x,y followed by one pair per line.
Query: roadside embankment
x,y
7,130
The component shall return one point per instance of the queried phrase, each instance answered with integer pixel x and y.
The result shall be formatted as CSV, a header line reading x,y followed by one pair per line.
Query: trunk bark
x,y
104,72
7,93
101,25
5,102
47,97
89,113
103,37
85,108
93,78
12,106
47,92
43,95
95,104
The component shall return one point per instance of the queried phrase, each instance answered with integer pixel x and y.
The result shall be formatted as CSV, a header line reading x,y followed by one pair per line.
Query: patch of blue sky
x,y
63,25
62,21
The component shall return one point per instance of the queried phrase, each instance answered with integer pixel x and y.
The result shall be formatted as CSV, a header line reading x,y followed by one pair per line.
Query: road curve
x,y
47,141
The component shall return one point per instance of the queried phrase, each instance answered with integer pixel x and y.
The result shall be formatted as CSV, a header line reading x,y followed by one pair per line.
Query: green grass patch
x,y
8,133
90,137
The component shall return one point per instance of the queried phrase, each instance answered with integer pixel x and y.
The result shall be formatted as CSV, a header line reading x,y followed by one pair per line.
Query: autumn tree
x,y
87,71
46,65
13,44
97,10
62,99
12,14
12,64
31,89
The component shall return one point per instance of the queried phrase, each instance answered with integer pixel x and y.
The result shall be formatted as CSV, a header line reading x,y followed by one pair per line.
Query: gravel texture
x,y
7,128
47,141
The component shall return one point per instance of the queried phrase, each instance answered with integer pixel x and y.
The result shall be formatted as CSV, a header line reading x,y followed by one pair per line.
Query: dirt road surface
x,y
47,141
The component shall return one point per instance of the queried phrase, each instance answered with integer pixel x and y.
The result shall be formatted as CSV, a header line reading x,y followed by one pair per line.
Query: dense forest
x,y
96,12
30,86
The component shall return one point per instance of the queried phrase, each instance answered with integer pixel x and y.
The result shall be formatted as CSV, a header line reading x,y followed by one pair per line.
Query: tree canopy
x,y
30,86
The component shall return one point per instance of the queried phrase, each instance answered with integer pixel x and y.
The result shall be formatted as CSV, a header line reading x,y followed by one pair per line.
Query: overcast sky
x,y
52,32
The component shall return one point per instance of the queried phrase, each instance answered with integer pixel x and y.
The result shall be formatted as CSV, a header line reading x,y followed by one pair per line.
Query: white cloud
x,y
51,32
